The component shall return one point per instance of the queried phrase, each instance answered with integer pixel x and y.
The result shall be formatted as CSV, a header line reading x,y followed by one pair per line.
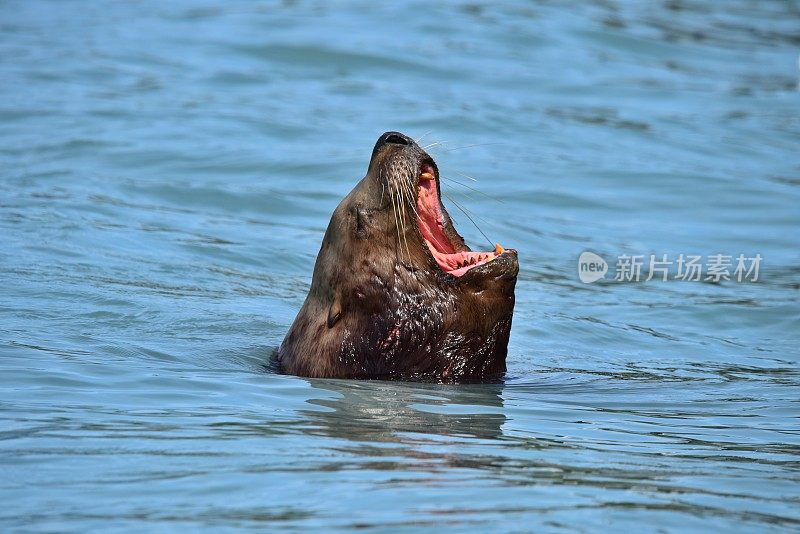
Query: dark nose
x,y
391,138
395,138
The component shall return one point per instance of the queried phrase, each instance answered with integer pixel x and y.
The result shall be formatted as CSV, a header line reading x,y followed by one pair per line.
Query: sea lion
x,y
396,293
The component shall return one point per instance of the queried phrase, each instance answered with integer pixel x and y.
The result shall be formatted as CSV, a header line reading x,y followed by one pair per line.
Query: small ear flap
x,y
334,313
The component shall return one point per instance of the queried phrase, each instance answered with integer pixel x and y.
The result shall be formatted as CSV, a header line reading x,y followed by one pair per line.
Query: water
x,y
168,170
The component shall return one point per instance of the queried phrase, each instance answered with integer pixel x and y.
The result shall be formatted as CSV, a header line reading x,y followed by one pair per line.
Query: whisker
x,y
406,195
464,211
469,146
426,147
423,135
411,197
404,217
490,223
466,175
473,189
413,203
394,211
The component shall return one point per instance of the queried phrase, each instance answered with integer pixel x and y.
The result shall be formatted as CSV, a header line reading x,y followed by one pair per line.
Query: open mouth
x,y
431,223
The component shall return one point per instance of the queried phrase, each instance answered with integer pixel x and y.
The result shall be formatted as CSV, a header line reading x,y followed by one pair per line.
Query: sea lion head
x,y
396,293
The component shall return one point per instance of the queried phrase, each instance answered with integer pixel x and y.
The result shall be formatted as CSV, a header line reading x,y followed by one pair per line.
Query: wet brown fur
x,y
380,307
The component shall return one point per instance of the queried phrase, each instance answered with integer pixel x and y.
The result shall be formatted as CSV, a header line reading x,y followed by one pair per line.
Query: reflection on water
x,y
167,171
394,412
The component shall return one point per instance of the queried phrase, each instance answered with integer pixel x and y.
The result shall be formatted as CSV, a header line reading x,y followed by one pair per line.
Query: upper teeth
x,y
426,176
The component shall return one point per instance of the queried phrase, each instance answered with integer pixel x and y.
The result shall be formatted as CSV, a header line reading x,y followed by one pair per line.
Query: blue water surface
x,y
167,171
